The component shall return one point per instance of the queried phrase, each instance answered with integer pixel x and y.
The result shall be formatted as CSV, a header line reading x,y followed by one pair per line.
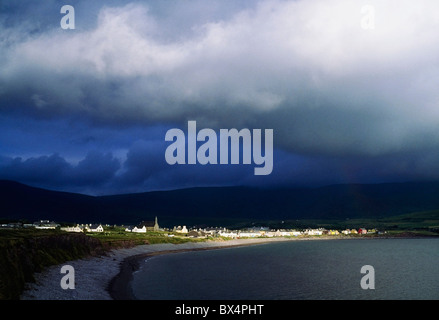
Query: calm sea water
x,y
404,269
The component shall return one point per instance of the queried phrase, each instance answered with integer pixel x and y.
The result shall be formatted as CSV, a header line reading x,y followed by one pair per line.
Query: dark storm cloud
x,y
143,161
49,169
344,102
54,171
98,173
304,68
145,169
96,168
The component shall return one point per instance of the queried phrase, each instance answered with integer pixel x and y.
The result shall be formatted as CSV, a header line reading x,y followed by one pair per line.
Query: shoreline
x,y
119,287
109,277
96,276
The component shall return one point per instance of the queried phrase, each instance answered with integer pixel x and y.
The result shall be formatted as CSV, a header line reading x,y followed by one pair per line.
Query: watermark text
x,y
229,140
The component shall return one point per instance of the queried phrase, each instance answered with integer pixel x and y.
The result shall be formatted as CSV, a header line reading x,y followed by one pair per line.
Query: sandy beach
x,y
107,277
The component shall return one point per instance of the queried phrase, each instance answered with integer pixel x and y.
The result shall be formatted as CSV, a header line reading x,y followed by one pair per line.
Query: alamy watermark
x,y
68,20
368,280
68,281
207,153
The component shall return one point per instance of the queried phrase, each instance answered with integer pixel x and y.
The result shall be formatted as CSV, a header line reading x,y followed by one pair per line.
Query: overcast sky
x,y
350,92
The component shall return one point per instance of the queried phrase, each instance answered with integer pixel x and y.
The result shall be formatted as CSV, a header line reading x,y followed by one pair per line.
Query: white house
x,y
45,224
94,228
228,234
77,228
284,233
139,230
314,232
250,234
179,229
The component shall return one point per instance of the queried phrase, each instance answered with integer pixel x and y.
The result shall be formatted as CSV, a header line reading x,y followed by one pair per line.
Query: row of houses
x,y
144,226
42,224
51,225
265,232
148,226
84,228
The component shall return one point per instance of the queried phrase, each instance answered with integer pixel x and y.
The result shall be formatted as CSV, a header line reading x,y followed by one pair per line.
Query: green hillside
x,y
427,221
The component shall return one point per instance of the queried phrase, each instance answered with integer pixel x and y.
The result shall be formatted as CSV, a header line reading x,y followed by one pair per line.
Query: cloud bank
x,y
305,68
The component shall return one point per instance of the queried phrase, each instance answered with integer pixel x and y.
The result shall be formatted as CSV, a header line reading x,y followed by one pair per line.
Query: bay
x,y
404,269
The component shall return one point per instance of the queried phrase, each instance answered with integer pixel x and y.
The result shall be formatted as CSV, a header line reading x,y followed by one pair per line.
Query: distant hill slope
x,y
18,201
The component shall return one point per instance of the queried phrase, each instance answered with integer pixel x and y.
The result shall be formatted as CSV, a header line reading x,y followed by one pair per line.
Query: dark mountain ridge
x,y
19,201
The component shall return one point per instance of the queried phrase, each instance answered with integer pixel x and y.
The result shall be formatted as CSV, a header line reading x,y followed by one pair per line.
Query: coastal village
x,y
193,232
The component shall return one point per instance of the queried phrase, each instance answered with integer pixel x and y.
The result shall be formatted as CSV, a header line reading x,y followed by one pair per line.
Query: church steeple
x,y
156,224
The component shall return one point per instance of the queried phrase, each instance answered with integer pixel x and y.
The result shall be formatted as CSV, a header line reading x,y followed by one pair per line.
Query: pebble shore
x,y
94,277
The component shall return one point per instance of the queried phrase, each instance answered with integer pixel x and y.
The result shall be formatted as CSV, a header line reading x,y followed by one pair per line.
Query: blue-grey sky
x,y
350,92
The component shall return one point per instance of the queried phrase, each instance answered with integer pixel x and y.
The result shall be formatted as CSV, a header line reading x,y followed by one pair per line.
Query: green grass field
x,y
114,235
426,223
25,251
